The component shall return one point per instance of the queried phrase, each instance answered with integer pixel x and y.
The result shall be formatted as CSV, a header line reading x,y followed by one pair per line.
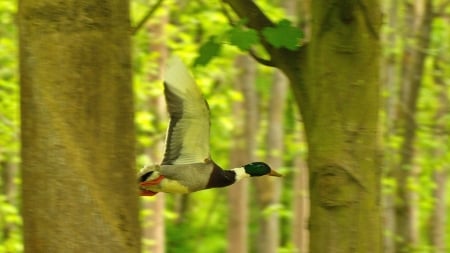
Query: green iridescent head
x,y
257,169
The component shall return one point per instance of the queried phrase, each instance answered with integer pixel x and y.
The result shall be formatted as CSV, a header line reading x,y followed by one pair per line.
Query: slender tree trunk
x,y
269,188
154,226
300,232
438,219
243,151
439,213
390,80
78,172
9,173
301,206
414,58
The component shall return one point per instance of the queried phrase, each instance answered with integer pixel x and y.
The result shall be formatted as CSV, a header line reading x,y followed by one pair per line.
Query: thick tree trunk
x,y
243,151
414,59
340,115
335,79
78,171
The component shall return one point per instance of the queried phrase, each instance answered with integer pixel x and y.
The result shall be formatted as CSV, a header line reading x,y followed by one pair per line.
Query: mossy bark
x,y
78,171
340,108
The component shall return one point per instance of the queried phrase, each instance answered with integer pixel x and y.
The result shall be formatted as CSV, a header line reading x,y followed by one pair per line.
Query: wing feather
x,y
187,139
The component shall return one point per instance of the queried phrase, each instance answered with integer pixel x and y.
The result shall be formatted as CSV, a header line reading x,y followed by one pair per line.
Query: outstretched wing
x,y
187,139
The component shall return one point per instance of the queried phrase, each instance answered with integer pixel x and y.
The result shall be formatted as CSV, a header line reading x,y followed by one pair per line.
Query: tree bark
x,y
78,172
245,114
343,95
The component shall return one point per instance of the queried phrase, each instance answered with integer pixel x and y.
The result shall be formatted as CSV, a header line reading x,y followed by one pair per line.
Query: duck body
x,y
184,178
187,165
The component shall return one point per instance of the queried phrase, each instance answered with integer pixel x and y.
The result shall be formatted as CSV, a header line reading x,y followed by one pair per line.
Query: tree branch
x,y
256,19
252,53
247,9
260,60
147,16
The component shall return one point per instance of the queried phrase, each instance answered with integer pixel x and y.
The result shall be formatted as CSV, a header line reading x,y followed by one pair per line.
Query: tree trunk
x,y
335,79
269,188
153,231
301,207
300,232
245,114
9,173
438,219
154,226
439,213
391,85
414,58
78,172
340,115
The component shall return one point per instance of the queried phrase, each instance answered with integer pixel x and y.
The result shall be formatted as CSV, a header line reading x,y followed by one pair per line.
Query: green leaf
x,y
243,38
207,52
284,34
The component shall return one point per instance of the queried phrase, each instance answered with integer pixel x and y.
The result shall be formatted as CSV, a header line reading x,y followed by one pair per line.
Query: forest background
x,y
254,116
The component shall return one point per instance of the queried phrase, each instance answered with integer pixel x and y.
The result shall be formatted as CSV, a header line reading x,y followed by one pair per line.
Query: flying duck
x,y
187,165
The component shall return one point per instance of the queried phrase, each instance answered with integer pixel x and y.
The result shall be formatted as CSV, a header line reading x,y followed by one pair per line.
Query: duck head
x,y
257,169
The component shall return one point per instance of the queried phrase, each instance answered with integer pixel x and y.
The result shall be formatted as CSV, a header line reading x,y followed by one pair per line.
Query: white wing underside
x,y
187,139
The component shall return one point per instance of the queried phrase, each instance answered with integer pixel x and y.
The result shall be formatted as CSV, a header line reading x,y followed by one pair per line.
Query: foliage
x,y
283,35
10,220
208,51
243,37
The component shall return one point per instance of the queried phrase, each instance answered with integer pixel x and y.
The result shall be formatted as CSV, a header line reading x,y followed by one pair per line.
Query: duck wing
x,y
187,139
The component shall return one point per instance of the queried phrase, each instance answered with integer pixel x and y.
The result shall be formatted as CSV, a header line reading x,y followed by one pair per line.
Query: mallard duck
x,y
187,165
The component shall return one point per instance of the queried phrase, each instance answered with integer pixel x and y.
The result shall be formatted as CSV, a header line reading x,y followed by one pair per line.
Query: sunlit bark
x,y
78,171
